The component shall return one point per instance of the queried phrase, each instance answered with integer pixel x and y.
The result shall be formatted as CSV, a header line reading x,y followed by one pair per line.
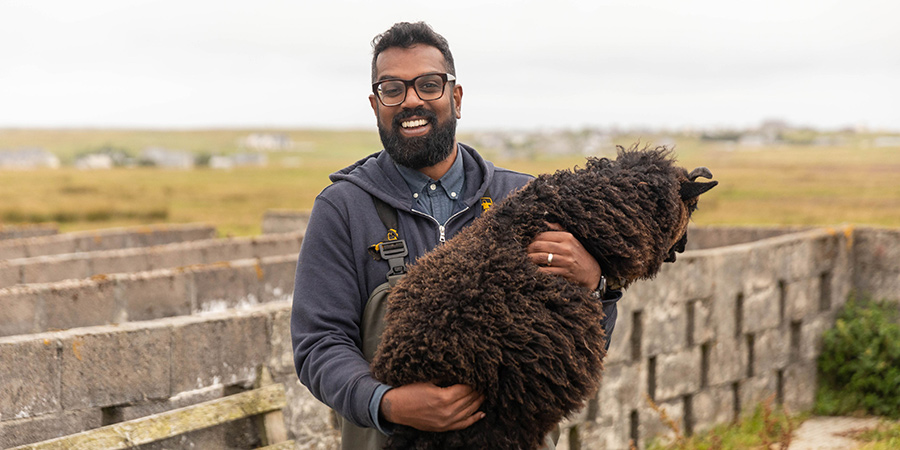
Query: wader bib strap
x,y
352,436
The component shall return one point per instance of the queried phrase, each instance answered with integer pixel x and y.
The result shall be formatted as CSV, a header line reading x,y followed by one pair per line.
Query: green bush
x,y
859,368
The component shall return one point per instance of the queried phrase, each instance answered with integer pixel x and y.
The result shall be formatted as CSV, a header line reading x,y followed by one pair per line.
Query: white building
x,y
28,158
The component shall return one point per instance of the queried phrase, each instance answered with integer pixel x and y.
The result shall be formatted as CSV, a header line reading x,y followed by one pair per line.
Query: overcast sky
x,y
522,64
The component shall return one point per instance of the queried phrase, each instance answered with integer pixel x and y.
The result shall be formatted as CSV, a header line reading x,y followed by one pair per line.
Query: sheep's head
x,y
689,191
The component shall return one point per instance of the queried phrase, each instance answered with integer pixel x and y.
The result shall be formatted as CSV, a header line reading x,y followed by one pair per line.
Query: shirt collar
x,y
452,181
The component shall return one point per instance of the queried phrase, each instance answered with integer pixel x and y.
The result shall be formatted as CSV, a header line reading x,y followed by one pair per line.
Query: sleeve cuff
x,y
375,406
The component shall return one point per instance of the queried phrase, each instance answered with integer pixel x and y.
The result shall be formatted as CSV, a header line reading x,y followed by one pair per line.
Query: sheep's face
x,y
690,194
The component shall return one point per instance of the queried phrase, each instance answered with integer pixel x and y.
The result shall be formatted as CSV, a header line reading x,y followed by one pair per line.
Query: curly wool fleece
x,y
477,311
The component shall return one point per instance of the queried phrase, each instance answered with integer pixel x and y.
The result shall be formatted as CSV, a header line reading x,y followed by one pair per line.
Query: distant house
x,y
28,158
94,161
239,160
169,159
267,142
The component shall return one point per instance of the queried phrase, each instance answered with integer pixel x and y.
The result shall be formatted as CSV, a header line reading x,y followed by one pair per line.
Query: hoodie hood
x,y
377,175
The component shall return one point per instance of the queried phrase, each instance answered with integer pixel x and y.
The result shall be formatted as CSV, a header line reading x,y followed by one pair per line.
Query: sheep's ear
x,y
691,189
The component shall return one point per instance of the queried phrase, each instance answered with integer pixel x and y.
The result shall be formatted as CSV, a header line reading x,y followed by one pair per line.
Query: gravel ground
x,y
822,433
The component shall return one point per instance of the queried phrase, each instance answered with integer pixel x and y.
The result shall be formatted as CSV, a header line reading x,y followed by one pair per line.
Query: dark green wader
x,y
394,251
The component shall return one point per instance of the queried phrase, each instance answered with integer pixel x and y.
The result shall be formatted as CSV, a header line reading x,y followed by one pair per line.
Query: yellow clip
x,y
392,235
486,203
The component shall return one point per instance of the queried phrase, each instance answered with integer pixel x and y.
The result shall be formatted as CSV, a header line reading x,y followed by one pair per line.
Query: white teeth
x,y
414,123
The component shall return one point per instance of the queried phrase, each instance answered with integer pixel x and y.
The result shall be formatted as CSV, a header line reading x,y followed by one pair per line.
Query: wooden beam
x,y
172,423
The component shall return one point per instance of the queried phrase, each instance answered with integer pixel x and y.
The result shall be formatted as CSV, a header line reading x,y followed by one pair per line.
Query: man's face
x,y
416,133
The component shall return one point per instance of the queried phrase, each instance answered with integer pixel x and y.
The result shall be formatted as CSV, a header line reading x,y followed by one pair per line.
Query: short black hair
x,y
406,35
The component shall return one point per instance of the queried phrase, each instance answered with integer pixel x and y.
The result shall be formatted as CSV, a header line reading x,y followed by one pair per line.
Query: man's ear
x,y
457,99
374,102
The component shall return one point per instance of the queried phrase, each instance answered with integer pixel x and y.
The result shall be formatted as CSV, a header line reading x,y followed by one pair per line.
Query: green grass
x,y
766,427
885,436
790,185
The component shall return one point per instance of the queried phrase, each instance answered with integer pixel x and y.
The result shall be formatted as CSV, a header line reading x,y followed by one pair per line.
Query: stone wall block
x,y
120,261
625,334
312,424
111,365
175,255
278,277
825,250
800,386
800,302
9,274
225,349
225,285
756,390
652,424
245,347
63,423
811,335
668,330
226,250
876,249
712,406
772,350
49,245
281,358
678,374
800,263
13,249
704,325
285,221
30,376
761,309
276,245
196,354
81,303
47,269
727,360
622,385
153,295
18,310
695,271
92,241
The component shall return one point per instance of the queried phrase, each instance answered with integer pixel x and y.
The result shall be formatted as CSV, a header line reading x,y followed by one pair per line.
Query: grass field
x,y
787,184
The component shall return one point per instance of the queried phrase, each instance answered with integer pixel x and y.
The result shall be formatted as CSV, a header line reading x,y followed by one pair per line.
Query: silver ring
x,y
549,259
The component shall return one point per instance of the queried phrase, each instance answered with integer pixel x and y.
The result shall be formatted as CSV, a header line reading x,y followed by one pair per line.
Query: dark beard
x,y
421,151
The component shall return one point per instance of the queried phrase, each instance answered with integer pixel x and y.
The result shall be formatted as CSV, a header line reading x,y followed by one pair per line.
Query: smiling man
x,y
384,212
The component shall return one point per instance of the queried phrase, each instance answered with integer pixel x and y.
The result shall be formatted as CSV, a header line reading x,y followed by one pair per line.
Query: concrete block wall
x,y
284,221
50,268
876,257
713,334
60,383
26,231
108,239
121,298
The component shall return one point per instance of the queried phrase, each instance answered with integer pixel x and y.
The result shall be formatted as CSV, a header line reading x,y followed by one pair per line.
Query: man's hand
x,y
570,260
427,407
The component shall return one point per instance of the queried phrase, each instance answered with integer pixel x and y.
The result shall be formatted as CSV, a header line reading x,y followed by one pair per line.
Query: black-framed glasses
x,y
429,87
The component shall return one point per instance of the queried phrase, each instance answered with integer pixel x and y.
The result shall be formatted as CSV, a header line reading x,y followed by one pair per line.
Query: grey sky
x,y
527,64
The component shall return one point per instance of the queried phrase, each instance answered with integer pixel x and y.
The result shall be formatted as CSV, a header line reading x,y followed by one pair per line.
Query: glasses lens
x,y
392,92
430,87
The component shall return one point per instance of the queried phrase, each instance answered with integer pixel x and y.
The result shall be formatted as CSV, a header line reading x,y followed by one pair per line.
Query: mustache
x,y
417,111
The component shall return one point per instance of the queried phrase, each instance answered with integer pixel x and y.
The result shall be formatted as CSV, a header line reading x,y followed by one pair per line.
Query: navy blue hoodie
x,y
336,274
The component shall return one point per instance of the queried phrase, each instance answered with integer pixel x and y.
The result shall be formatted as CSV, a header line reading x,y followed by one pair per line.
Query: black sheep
x,y
477,311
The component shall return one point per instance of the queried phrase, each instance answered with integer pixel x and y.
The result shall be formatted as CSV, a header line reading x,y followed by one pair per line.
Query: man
x,y
436,186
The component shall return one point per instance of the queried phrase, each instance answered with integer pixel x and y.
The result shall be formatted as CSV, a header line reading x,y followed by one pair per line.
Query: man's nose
x,y
412,99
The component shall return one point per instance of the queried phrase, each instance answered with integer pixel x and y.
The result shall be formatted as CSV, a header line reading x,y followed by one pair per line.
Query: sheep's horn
x,y
700,172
